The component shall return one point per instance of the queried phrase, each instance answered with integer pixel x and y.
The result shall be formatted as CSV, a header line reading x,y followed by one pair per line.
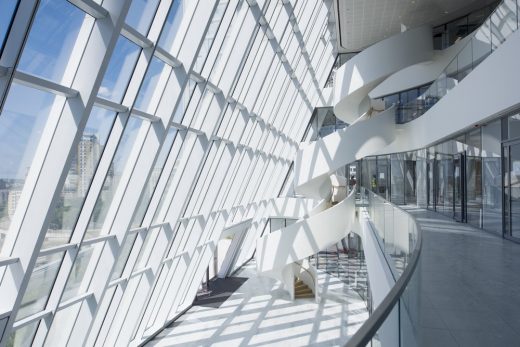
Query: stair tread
x,y
302,290
304,296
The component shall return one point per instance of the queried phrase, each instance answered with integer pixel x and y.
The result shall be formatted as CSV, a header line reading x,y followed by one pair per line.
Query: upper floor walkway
x,y
470,285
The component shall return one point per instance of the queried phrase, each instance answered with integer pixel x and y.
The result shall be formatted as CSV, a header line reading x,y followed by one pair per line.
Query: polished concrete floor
x,y
470,284
261,314
470,296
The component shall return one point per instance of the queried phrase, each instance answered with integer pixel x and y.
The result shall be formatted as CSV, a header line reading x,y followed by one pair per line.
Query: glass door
x,y
444,184
459,187
410,168
511,180
430,191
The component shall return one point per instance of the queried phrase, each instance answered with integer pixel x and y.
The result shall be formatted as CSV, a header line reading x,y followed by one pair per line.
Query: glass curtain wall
x,y
460,178
491,177
126,148
511,176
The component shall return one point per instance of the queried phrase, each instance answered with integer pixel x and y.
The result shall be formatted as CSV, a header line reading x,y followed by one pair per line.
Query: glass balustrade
x,y
502,22
394,321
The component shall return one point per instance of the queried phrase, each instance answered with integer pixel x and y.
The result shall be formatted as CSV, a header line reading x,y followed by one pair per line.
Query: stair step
x,y
302,290
304,296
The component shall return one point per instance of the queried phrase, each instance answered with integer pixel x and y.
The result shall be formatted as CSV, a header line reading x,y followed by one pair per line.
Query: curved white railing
x,y
316,161
358,76
279,249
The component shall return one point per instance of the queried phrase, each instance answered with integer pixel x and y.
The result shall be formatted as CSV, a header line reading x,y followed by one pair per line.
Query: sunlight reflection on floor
x,y
260,314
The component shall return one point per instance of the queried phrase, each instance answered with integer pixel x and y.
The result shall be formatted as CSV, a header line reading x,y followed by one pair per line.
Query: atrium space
x,y
259,173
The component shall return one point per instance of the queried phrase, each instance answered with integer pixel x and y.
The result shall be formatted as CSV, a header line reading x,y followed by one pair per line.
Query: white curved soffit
x,y
419,74
357,77
316,161
304,238
285,207
474,101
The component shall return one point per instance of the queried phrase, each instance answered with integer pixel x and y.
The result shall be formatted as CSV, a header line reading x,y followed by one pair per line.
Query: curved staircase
x,y
301,290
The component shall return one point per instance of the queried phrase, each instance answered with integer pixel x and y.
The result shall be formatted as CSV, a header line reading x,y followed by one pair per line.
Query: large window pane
x,y
7,8
152,87
119,71
184,101
82,169
154,178
113,176
188,142
140,15
210,34
76,284
40,284
25,113
503,22
61,325
146,248
172,24
24,336
54,46
123,256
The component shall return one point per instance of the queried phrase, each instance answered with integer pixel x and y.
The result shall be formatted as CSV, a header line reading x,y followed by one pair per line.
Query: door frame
x,y
506,145
462,184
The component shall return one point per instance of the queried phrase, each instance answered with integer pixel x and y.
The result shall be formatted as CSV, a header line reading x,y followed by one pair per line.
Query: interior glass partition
x,y
491,177
421,181
397,178
474,191
460,177
512,189
383,176
410,178
459,186
443,184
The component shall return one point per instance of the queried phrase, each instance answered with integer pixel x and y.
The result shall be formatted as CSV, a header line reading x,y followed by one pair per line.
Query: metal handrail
x,y
367,331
